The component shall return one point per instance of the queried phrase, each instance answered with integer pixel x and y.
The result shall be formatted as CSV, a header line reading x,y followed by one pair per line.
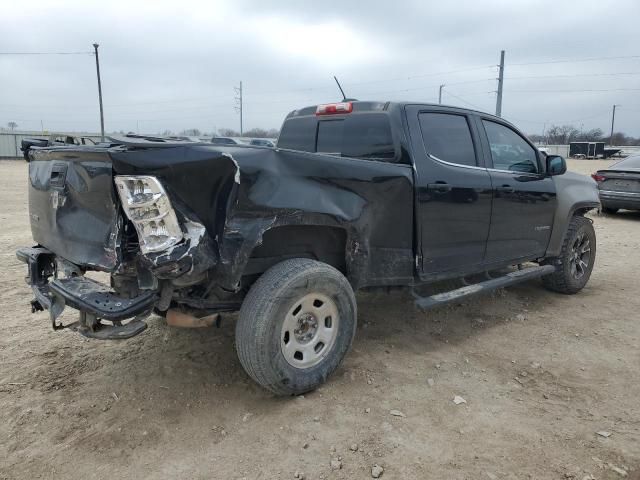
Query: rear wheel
x,y
575,263
609,210
295,326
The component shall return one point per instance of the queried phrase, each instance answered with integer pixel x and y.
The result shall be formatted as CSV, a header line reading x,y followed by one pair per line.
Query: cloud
x,y
169,65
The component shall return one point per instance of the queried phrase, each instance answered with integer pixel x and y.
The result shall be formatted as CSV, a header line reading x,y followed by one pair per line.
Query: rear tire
x,y
576,260
609,210
295,326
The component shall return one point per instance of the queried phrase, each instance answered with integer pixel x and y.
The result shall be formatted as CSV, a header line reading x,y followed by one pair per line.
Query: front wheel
x,y
576,260
295,326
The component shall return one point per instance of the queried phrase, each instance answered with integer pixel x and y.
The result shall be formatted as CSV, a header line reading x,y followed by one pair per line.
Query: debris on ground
x,y
458,400
431,382
353,447
397,413
620,471
604,433
377,471
336,464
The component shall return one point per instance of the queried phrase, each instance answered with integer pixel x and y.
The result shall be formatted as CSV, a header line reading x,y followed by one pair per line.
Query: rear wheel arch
x,y
324,243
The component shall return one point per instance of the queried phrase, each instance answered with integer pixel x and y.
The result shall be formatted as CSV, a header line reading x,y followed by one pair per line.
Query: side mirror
x,y
556,165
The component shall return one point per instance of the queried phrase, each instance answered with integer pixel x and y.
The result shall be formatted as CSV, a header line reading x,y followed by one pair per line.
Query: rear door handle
x,y
439,187
505,189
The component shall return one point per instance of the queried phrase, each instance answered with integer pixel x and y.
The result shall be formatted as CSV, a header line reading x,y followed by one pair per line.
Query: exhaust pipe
x,y
177,318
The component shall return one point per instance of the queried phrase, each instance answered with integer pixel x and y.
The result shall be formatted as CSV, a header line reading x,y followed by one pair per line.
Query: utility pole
x,y
500,82
613,120
440,94
239,102
95,47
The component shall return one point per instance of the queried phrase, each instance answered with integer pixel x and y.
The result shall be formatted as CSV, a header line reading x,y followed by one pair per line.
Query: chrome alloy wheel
x,y
309,330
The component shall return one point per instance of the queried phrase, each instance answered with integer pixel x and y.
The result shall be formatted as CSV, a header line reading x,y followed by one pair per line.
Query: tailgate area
x,y
72,206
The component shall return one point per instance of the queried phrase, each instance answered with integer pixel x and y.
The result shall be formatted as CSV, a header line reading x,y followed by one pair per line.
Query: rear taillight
x,y
598,177
147,205
334,108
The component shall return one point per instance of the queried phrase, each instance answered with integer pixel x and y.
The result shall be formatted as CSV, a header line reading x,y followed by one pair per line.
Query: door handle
x,y
439,187
505,189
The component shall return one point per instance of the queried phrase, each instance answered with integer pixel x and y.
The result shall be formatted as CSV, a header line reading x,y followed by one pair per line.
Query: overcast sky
x,y
173,65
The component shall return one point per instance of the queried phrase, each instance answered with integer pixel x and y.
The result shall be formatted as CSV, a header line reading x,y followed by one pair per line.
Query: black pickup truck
x,y
355,195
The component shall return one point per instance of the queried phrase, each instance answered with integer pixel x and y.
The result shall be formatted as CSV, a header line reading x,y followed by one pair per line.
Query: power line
x,y
579,91
576,60
614,74
449,92
46,53
597,115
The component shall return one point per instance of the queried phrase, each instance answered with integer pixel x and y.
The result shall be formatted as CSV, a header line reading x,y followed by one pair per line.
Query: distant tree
x,y
12,126
255,132
191,132
167,133
593,135
621,139
228,132
561,135
536,138
273,133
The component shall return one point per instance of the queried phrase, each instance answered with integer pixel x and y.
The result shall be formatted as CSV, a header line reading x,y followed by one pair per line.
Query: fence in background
x,y
10,141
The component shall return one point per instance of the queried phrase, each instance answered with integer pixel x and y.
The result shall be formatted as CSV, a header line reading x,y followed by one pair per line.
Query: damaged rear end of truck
x,y
187,228
123,210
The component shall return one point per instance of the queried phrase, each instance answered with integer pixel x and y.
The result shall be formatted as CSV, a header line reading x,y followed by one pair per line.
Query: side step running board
x,y
425,303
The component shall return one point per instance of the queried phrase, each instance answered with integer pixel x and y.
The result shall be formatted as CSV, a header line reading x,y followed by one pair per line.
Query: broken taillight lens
x,y
147,205
598,177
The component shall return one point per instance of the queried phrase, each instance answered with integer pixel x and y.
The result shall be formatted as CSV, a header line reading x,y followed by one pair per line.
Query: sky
x,y
169,65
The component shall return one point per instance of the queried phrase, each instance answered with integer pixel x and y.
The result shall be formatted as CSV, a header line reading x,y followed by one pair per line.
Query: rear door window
x,y
447,137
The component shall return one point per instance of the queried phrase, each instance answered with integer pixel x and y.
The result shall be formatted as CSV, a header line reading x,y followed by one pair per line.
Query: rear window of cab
x,y
363,135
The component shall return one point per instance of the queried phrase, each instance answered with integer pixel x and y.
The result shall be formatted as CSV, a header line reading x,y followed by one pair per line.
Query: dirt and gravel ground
x,y
541,374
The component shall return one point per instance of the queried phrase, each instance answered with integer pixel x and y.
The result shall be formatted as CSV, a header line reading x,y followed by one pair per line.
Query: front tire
x,y
576,260
295,326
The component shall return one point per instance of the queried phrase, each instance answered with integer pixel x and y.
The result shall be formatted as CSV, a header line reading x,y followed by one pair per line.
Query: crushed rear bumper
x,y
93,300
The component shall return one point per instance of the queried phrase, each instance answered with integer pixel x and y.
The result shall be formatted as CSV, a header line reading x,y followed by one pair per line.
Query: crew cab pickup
x,y
355,195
